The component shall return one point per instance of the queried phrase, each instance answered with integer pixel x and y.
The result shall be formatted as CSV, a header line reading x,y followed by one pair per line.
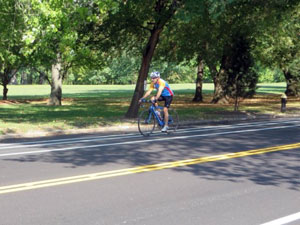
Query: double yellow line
x,y
140,169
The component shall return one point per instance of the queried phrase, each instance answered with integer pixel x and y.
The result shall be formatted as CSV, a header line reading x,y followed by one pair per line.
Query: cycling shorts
x,y
167,99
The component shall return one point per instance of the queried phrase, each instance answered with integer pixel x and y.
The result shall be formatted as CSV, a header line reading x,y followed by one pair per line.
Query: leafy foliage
x,y
103,41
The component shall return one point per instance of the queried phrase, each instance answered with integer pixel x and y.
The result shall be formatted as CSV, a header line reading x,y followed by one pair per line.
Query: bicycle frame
x,y
152,110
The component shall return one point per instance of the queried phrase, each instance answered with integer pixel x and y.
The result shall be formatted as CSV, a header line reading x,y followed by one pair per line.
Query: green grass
x,y
69,91
92,106
90,91
274,88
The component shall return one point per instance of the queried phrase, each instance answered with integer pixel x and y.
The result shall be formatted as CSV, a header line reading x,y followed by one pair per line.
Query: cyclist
x,y
164,93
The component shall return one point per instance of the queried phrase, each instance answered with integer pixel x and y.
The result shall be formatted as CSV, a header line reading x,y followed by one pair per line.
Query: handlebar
x,y
146,101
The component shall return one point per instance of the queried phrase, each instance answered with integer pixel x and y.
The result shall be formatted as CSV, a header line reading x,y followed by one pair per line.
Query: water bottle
x,y
158,114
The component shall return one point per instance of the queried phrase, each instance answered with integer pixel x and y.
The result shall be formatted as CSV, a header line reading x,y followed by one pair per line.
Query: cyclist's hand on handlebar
x,y
142,100
154,100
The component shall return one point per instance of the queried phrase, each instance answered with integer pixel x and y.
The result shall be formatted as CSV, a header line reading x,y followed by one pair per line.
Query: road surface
x,y
239,174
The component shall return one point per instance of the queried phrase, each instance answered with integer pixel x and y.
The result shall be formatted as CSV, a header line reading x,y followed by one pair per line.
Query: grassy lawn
x,y
92,106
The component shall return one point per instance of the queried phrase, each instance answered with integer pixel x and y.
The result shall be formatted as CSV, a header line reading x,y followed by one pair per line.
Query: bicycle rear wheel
x,y
173,120
146,123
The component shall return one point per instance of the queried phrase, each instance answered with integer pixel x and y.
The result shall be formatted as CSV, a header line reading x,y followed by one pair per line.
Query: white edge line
x,y
142,141
284,220
125,136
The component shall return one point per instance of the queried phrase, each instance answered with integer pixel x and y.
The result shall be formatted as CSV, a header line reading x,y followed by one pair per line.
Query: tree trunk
x,y
56,84
5,90
4,84
221,80
6,76
147,57
199,81
292,84
219,93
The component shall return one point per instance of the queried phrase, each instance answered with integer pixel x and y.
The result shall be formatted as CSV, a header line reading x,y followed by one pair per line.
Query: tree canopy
x,y
117,41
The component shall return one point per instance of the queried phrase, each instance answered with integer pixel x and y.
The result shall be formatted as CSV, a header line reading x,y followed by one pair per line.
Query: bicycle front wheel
x,y
146,123
173,120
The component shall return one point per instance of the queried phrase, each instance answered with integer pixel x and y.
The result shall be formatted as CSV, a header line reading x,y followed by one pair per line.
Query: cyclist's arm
x,y
147,93
160,89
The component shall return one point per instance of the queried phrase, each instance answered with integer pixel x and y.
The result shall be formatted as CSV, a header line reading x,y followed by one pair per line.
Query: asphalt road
x,y
238,174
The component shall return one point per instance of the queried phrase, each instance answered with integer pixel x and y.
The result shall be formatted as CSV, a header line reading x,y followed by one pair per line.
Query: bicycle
x,y
149,117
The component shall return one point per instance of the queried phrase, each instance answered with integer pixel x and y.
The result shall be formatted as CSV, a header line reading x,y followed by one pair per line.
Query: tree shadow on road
x,y
277,168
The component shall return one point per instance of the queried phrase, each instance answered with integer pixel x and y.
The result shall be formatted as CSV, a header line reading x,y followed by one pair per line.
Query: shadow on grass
x,y
81,113
86,94
108,108
276,169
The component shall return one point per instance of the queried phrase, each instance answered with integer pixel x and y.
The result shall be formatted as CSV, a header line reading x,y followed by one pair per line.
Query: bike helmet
x,y
155,74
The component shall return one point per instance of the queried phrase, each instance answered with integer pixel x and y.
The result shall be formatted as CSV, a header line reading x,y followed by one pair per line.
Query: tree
x,y
52,37
242,78
137,25
12,26
162,11
292,77
209,30
278,46
243,19
59,37
193,37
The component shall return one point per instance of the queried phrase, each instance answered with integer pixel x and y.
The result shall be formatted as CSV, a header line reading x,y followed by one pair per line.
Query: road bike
x,y
153,117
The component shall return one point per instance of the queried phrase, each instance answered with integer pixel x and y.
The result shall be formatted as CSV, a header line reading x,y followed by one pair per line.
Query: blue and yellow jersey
x,y
161,83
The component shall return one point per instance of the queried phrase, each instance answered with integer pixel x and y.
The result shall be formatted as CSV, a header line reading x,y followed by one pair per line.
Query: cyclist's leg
x,y
168,101
166,116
